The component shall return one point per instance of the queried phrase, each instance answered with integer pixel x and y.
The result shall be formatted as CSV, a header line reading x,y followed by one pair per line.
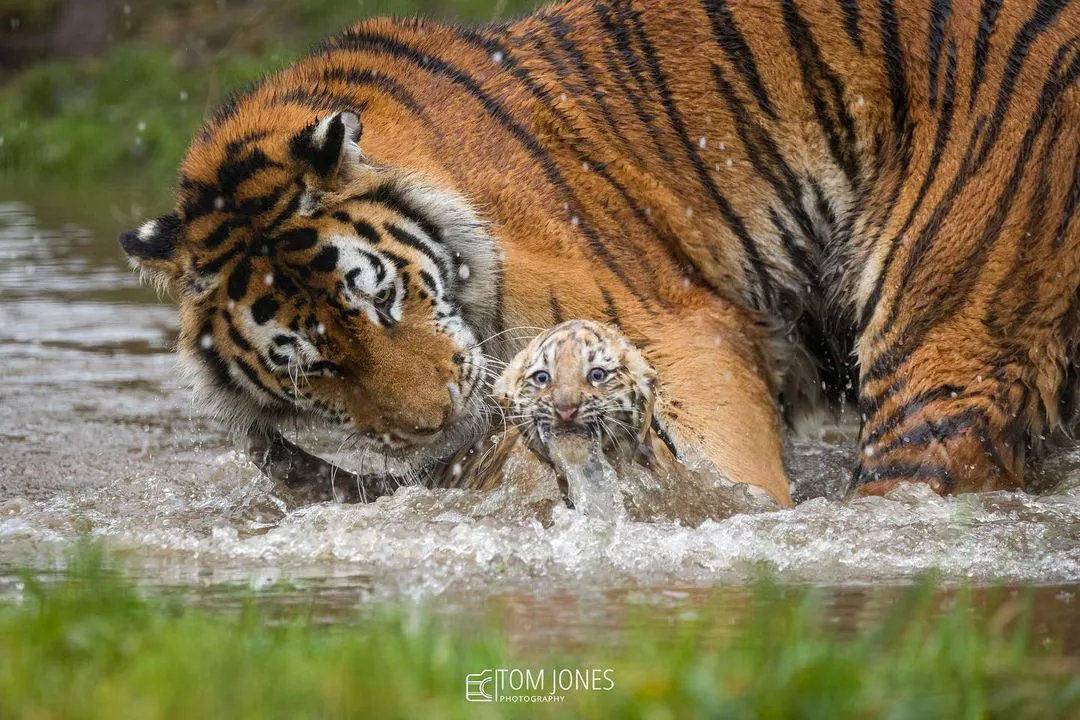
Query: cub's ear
x,y
500,390
330,147
503,388
152,248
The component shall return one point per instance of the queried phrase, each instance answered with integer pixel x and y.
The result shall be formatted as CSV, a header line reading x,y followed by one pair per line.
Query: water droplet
x,y
860,101
320,329
207,341
141,126
562,96
689,212
868,451
728,162
455,470
585,166
685,283
231,305
575,220
269,279
497,57
463,272
183,96
701,142
219,202
721,146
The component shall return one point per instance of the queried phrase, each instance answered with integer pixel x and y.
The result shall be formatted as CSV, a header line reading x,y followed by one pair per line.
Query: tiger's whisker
x,y
507,330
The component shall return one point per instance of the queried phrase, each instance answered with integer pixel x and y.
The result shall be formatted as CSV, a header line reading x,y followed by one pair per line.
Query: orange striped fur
x,y
781,202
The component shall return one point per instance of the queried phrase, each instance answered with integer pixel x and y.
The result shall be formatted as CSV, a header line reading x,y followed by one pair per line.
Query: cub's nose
x,y
566,413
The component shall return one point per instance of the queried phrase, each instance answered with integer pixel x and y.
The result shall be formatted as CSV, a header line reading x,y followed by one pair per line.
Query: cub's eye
x,y
540,378
384,298
598,375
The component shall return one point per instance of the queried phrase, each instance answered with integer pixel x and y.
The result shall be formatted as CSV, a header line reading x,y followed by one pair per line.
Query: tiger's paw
x,y
961,460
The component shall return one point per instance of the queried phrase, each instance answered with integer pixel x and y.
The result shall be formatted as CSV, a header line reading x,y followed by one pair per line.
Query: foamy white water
x,y
419,543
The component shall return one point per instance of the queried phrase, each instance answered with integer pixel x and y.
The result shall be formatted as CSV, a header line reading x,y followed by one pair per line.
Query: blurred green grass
x,y
91,646
126,117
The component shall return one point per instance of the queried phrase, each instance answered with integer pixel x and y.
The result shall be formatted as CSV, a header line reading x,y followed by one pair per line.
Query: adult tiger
x,y
891,183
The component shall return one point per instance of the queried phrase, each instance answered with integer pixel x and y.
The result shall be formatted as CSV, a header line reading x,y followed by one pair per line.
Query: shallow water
x,y
99,436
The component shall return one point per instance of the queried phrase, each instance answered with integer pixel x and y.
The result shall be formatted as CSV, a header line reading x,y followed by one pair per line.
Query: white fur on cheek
x,y
467,238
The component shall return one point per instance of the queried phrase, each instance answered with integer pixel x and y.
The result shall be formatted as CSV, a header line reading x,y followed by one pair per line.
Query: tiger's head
x,y
580,377
314,286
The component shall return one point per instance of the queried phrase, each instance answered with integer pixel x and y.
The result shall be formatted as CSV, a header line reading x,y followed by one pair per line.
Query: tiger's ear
x,y
152,248
330,147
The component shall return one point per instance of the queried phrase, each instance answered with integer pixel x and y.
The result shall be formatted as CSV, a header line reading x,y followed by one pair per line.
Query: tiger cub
x,y
580,378
583,387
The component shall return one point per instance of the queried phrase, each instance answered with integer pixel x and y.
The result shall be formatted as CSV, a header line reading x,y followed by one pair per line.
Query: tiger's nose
x,y
566,413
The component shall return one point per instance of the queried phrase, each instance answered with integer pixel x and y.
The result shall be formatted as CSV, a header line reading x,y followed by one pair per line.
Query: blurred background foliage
x,y
109,92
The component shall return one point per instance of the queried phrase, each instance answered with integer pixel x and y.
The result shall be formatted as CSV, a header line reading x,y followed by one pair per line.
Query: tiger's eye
x,y
598,375
384,297
541,377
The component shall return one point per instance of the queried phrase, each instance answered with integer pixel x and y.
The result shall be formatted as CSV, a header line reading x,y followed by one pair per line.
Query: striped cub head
x,y
316,287
580,377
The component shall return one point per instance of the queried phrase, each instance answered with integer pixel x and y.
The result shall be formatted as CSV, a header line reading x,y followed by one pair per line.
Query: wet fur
x,y
617,411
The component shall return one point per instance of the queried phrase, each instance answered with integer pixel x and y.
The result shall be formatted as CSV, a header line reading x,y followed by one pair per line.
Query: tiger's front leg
x,y
715,396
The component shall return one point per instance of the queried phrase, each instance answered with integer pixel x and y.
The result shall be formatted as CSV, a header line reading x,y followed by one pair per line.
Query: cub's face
x,y
314,287
579,377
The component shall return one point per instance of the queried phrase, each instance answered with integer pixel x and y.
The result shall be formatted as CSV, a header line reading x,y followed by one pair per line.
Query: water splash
x,y
593,486
99,438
